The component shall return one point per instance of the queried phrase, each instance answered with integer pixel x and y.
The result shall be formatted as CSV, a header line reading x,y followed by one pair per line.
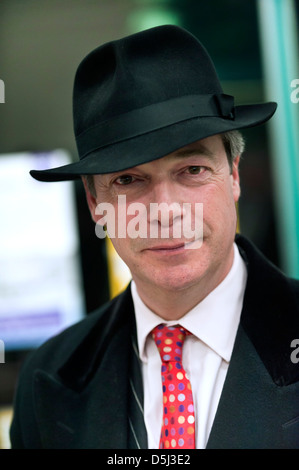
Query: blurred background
x,y
53,269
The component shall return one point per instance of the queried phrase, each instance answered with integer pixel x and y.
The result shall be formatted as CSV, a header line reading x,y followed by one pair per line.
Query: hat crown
x,y
153,66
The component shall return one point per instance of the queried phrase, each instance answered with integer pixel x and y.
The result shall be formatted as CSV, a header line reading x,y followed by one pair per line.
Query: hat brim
x,y
156,144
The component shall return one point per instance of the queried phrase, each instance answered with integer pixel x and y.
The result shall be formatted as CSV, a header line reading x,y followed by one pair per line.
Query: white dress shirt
x,y
213,324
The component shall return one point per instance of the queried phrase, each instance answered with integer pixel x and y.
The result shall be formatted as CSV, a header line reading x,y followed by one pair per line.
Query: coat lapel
x,y
94,390
137,433
254,412
270,314
258,407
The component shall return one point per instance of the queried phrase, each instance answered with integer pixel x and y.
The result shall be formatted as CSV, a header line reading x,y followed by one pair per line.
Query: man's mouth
x,y
167,247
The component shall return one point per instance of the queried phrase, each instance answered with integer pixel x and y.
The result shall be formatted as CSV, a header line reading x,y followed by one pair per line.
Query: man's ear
x,y
236,179
91,201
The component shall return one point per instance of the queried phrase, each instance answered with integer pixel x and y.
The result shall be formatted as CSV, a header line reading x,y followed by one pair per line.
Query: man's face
x,y
197,173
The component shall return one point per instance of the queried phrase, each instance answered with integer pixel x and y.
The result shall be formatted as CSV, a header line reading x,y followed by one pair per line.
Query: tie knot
x,y
169,341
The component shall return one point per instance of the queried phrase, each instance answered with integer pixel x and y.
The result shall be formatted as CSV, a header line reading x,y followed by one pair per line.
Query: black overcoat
x,y
83,388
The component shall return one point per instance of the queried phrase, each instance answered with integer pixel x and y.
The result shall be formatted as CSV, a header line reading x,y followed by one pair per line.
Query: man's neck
x,y
173,304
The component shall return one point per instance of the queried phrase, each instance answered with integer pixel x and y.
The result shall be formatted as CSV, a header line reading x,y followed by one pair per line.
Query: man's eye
x,y
124,179
195,170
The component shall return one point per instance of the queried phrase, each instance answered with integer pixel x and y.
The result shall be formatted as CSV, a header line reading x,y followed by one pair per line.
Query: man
x,y
153,127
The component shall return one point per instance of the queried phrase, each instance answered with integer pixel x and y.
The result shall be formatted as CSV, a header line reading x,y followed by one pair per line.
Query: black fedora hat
x,y
142,97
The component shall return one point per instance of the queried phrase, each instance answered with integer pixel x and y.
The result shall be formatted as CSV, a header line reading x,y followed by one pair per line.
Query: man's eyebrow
x,y
190,152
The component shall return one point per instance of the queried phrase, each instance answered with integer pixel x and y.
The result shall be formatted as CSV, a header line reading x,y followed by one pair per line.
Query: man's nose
x,y
165,208
164,191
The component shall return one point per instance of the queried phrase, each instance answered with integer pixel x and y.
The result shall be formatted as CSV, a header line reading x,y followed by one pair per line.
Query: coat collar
x,y
103,325
99,387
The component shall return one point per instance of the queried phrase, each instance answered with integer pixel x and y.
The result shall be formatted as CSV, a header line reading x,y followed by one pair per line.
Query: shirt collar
x,y
214,320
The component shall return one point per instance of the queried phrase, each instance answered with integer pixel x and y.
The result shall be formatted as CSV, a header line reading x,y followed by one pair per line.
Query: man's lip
x,y
166,247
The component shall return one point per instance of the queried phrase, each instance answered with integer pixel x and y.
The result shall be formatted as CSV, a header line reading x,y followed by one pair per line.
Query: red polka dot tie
x,y
178,426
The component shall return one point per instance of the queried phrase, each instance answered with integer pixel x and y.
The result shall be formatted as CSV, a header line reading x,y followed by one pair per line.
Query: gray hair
x,y
234,146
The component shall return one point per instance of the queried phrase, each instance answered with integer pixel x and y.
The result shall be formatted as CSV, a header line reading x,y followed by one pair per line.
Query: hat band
x,y
153,117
